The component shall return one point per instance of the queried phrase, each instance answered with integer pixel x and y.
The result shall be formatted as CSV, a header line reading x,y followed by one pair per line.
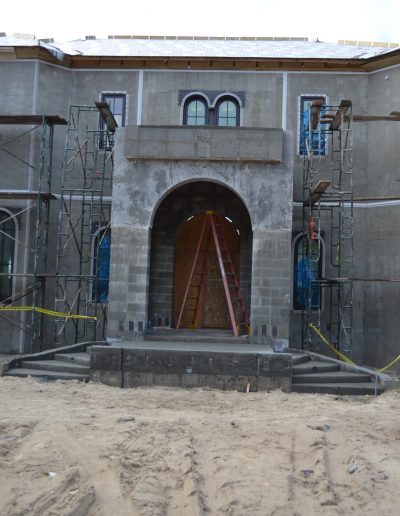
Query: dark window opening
x,y
117,103
7,247
315,140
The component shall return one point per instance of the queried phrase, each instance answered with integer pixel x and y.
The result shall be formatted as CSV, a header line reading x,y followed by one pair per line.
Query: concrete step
x,y
44,373
315,366
300,359
55,365
76,358
356,389
332,377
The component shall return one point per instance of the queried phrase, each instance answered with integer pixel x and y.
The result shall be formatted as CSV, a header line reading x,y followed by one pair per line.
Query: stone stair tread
x,y
315,366
54,375
317,363
77,358
337,388
300,359
55,365
332,377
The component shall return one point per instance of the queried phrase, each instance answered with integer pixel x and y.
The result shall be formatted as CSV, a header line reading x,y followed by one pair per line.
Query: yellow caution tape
x,y
344,357
53,313
389,364
338,353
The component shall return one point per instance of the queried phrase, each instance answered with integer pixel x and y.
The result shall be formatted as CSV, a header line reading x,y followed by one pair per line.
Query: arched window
x,y
101,265
307,267
227,110
195,111
7,247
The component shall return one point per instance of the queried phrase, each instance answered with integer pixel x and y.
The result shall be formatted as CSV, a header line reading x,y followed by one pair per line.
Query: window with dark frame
x,y
318,139
7,248
117,103
307,266
197,112
227,110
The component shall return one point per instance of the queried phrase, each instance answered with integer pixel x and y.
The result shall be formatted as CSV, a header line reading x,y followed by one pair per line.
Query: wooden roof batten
x,y
196,62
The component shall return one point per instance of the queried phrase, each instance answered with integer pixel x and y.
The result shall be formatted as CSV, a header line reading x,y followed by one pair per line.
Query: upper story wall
x,y
383,136
154,97
261,93
334,87
18,94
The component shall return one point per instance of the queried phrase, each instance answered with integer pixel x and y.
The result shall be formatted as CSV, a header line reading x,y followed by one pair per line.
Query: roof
x,y
204,47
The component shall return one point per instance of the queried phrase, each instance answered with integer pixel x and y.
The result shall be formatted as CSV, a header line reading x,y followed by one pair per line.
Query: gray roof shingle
x,y
234,48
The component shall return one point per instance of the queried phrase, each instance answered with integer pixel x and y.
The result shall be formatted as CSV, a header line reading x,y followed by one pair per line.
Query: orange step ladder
x,y
191,299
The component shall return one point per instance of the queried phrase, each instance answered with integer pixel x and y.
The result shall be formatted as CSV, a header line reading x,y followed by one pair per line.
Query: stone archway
x,y
166,174
172,239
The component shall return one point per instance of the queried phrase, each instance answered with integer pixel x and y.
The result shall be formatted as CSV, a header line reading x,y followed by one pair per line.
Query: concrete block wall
x,y
161,273
129,367
129,277
270,294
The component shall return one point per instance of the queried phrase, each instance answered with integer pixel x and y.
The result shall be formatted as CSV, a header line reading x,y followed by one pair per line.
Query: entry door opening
x,y
206,304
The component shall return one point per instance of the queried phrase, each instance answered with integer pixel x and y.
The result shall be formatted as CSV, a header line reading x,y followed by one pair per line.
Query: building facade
x,y
215,124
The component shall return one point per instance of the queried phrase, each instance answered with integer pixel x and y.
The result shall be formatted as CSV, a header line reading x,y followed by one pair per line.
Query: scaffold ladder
x,y
212,233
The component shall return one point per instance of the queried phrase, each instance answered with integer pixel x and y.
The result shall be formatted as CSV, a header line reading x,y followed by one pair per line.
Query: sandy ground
x,y
74,448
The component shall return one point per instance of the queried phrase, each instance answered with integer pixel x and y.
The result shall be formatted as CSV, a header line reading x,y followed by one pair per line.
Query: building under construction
x,y
245,186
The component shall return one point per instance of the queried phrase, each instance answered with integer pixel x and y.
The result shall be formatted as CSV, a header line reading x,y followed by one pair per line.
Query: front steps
x,y
311,373
64,366
315,375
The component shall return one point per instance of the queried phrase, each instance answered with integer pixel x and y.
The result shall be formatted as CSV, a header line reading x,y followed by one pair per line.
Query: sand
x,y
70,448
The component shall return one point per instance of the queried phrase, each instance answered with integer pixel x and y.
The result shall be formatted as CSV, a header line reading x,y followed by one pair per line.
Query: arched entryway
x,y
175,234
199,296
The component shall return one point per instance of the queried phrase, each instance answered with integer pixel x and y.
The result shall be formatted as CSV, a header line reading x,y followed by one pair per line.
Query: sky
x,y
361,20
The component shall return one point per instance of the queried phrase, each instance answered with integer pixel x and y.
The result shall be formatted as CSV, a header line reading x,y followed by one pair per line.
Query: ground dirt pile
x,y
69,448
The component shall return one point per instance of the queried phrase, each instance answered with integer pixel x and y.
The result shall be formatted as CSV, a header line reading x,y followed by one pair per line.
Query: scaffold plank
x,y
376,118
26,195
107,116
32,120
340,113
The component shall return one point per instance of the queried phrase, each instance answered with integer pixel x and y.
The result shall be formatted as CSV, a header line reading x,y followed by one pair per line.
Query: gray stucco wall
x,y
380,227
31,86
335,87
263,94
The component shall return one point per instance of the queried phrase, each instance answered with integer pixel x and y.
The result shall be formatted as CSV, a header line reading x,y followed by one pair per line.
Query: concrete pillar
x,y
270,289
129,282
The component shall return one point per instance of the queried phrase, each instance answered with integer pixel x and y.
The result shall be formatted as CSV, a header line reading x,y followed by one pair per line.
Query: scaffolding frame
x,y
328,188
84,222
38,202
